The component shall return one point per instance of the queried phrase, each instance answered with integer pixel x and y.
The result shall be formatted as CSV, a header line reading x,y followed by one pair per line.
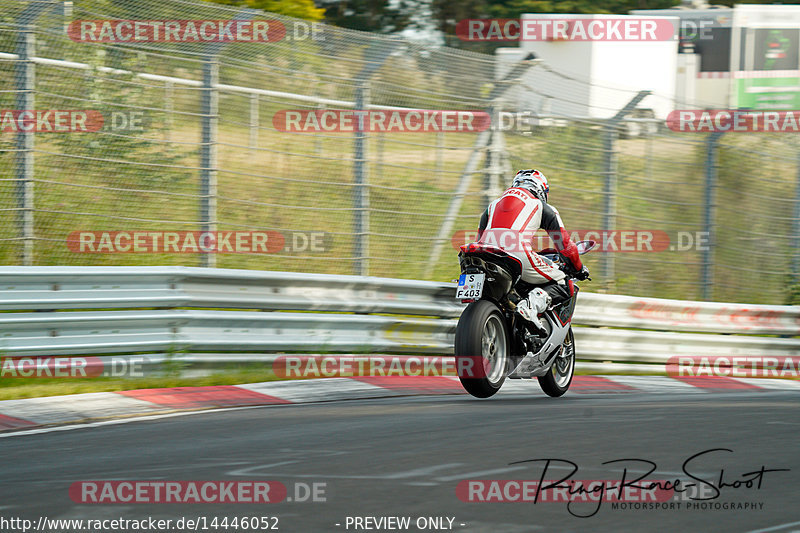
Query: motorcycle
x,y
494,342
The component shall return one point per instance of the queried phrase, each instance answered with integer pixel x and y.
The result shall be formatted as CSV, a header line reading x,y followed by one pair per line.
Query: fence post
x,y
209,105
318,140
610,135
169,109
795,235
374,57
380,142
66,15
709,216
480,146
439,156
511,79
25,100
254,120
494,159
208,155
610,192
25,87
360,187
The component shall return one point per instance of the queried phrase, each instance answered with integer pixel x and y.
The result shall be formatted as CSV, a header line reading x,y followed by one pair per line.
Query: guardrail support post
x,y
208,155
709,216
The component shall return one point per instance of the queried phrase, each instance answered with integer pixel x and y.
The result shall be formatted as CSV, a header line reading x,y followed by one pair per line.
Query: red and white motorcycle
x,y
493,339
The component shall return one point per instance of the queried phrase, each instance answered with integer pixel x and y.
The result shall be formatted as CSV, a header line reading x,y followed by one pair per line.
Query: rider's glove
x,y
583,274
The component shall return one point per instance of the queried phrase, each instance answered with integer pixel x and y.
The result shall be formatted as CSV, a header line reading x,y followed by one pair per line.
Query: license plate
x,y
470,286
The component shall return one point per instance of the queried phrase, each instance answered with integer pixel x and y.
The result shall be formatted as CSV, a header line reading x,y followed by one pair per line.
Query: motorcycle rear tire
x,y
482,338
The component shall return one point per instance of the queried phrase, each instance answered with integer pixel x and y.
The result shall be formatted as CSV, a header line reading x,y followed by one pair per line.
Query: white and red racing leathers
x,y
510,222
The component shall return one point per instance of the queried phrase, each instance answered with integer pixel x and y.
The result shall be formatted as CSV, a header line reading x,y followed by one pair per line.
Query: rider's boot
x,y
536,303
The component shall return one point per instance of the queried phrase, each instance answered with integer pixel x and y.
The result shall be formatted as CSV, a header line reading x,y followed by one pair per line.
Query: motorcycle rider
x,y
510,222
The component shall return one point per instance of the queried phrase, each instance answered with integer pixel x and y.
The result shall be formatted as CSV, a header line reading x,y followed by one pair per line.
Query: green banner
x,y
768,93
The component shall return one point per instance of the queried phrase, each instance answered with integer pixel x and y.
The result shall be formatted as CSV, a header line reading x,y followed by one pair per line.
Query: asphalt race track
x,y
405,456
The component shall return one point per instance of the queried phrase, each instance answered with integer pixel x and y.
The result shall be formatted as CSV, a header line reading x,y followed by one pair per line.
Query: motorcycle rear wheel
x,y
482,339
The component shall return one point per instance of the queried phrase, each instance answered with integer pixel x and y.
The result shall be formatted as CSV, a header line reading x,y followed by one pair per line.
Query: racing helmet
x,y
534,181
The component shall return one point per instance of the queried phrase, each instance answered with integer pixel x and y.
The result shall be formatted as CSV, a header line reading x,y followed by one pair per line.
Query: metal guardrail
x,y
36,288
680,315
244,315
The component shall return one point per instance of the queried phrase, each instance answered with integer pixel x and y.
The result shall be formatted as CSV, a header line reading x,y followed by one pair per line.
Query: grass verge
x,y
12,389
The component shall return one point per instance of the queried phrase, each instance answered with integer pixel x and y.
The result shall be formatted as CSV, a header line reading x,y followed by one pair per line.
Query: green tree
x,y
302,9
514,8
381,16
